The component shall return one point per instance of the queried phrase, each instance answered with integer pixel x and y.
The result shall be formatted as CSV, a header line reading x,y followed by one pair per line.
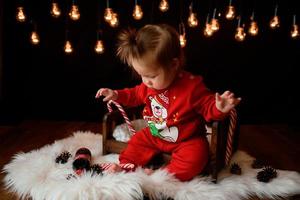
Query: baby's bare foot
x,y
114,168
148,171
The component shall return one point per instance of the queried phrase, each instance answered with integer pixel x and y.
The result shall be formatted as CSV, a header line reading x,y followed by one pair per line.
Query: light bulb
x,y
208,31
21,17
99,47
274,23
253,30
68,47
230,13
295,31
108,14
55,11
240,34
74,13
215,26
137,12
192,20
182,40
163,5
114,22
34,38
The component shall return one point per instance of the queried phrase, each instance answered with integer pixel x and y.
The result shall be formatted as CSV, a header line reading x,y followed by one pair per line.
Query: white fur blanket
x,y
36,174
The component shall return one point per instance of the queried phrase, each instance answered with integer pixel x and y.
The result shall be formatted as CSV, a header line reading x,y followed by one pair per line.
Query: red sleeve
x,y
203,101
132,96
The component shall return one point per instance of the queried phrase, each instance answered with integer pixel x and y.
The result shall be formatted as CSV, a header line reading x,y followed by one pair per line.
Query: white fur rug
x,y
36,174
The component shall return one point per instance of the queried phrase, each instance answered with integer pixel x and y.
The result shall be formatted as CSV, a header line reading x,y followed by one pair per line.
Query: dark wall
x,y
41,82
1,54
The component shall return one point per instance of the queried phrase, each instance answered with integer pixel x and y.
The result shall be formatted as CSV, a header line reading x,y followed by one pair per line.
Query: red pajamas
x,y
176,118
188,157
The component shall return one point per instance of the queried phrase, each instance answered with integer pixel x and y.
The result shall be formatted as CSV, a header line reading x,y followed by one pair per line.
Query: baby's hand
x,y
108,93
226,101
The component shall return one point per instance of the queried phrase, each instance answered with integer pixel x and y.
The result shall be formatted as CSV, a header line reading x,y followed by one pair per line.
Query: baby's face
x,y
153,75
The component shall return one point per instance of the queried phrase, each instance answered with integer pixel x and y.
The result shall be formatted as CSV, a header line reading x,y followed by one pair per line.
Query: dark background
x,y
42,82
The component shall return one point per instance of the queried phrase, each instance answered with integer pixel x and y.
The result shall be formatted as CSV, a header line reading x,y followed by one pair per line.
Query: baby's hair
x,y
162,41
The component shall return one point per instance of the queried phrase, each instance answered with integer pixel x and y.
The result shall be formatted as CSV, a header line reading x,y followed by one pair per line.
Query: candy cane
x,y
120,108
231,129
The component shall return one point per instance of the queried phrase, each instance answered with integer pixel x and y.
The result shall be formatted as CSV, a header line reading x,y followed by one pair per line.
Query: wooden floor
x,y
278,145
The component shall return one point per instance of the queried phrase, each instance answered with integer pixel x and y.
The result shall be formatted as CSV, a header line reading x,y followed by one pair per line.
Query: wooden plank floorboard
x,y
277,146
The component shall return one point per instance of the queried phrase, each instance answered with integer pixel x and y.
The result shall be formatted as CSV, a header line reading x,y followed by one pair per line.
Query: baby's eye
x,y
150,77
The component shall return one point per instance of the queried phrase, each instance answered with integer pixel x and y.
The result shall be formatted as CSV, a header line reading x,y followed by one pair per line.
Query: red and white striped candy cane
x,y
231,130
120,108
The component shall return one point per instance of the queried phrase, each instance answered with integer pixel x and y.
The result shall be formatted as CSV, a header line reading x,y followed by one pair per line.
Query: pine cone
x,y
266,174
257,164
96,169
235,169
63,157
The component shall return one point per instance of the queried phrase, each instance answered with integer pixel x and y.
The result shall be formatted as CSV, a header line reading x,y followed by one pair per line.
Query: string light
x,y
34,37
114,22
253,29
137,11
295,29
164,5
108,13
210,27
240,33
68,47
55,10
182,38
192,20
74,12
110,16
230,14
274,23
215,26
207,30
99,47
21,17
